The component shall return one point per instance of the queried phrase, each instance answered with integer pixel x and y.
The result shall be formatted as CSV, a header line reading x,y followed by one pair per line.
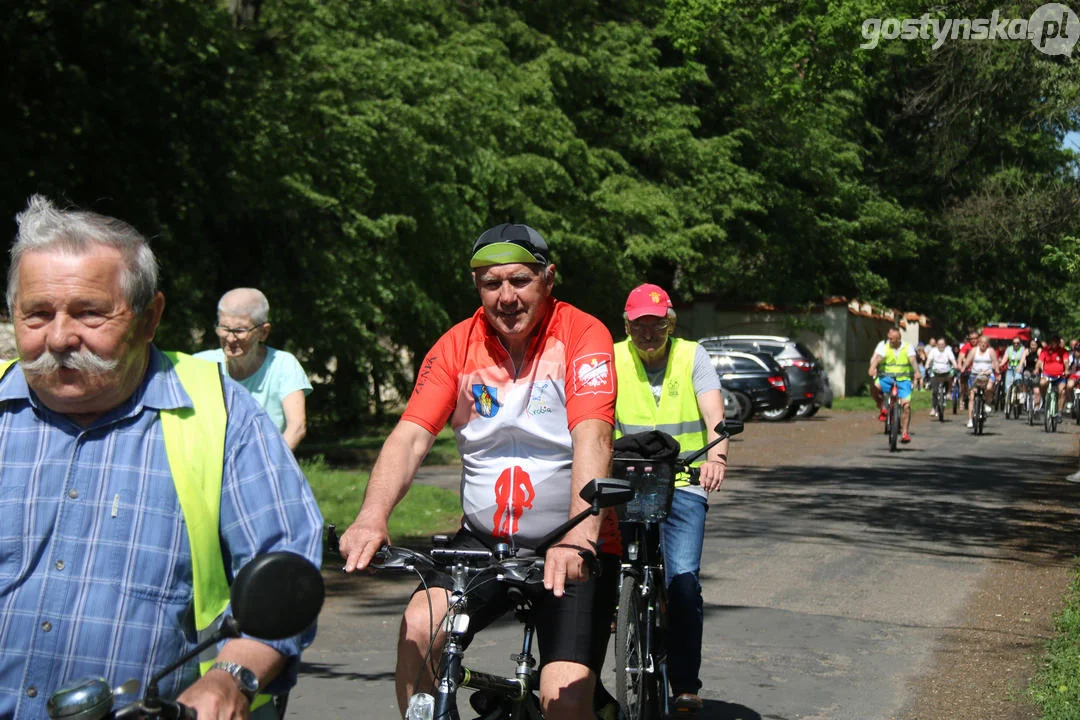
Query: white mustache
x,y
83,360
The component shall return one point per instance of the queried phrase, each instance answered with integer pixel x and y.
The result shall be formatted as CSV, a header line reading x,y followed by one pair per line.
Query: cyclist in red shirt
x,y
1051,370
528,386
965,376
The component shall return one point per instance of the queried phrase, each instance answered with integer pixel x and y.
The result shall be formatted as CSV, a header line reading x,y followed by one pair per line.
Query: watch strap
x,y
246,680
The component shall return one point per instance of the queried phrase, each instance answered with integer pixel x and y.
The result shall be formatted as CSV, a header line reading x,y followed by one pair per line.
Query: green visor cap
x,y
502,253
508,244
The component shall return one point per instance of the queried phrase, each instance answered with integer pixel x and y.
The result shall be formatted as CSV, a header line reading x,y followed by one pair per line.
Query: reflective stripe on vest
x,y
896,361
195,447
677,414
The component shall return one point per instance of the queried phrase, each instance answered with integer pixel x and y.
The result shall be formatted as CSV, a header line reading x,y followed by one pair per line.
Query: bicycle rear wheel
x,y
634,688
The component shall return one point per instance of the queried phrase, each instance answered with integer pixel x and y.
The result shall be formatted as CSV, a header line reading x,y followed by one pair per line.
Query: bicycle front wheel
x,y
632,684
894,424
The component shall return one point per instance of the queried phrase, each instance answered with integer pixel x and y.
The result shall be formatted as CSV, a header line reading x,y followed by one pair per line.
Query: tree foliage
x,y
344,155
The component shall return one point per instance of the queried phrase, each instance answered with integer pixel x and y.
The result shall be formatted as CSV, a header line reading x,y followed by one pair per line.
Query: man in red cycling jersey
x,y
1051,369
528,385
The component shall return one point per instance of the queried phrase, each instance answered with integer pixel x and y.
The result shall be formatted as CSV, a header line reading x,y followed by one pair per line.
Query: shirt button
x,y
73,493
59,564
31,691
46,626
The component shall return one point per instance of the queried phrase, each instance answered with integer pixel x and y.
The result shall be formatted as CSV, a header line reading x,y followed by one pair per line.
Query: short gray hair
x,y
245,301
45,228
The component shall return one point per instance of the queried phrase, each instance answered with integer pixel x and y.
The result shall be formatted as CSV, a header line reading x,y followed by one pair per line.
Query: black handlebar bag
x,y
647,460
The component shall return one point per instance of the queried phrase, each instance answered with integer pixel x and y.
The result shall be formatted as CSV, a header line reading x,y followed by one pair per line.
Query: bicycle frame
x,y
453,674
644,570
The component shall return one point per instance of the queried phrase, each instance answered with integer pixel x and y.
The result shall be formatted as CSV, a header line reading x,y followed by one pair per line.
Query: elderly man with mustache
x,y
134,484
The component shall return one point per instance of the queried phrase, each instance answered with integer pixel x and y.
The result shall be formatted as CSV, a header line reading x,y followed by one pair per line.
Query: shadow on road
x,y
716,710
963,505
322,670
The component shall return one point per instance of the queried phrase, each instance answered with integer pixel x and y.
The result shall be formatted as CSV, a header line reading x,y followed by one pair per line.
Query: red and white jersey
x,y
513,424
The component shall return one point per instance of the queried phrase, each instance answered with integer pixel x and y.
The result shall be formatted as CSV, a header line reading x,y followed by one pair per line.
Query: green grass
x,y
920,400
361,451
424,511
1056,688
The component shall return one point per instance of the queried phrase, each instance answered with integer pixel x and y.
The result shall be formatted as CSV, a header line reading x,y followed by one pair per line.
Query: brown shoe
x,y
687,704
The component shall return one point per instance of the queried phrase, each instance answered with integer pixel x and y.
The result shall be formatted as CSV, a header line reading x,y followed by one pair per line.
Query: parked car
x,y
753,383
808,385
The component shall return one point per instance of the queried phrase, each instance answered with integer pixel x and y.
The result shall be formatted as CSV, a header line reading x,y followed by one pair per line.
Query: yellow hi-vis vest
x,y
896,361
677,414
195,446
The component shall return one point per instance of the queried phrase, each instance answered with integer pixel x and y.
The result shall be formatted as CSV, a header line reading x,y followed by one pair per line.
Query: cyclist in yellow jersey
x,y
897,359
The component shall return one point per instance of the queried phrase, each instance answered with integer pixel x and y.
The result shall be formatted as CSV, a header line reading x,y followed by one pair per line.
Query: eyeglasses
x,y
240,333
640,327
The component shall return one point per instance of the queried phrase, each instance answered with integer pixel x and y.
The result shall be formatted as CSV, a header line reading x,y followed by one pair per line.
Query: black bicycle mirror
x,y
277,595
733,426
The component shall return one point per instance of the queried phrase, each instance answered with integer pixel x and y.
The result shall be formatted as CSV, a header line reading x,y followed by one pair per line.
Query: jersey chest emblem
x,y
486,400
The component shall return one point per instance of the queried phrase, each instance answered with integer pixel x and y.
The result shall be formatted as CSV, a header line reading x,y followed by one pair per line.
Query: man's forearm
x,y
395,467
592,459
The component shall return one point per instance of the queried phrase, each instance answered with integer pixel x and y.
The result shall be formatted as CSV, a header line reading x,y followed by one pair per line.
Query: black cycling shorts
x,y
573,628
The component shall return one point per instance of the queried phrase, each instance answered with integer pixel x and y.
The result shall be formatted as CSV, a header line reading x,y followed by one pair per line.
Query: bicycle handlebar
x,y
526,572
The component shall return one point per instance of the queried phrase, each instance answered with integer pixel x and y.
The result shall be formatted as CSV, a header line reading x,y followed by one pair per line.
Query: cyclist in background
x,y
1013,363
961,353
1031,360
1051,370
1073,370
667,383
981,362
896,358
941,366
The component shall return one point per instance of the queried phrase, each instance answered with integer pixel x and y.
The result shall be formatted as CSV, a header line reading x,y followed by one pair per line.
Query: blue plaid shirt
x,y
95,567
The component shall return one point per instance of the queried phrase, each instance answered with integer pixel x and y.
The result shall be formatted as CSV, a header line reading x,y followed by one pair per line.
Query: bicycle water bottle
x,y
421,707
651,502
633,507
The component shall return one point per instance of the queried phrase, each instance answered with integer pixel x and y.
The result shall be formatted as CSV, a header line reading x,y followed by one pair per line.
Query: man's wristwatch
x,y
246,680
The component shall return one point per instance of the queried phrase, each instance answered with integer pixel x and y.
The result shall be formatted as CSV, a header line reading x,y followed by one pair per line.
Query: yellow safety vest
x,y
195,446
677,414
896,361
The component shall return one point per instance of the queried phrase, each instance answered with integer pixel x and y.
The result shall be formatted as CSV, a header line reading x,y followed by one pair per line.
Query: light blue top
x,y
95,566
279,376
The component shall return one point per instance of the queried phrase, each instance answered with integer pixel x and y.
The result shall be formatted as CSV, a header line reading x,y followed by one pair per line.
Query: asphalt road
x,y
832,569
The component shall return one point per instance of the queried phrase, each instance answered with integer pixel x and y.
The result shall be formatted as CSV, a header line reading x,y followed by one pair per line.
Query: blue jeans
x,y
682,534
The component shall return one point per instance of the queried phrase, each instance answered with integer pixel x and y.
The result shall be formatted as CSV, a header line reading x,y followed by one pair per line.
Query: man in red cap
x,y
528,386
670,384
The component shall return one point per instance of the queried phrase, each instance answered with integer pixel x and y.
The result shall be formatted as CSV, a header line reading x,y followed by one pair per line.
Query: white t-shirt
x,y
940,361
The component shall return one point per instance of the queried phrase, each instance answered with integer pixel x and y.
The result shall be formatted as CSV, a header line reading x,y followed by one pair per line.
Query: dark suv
x,y
752,382
808,385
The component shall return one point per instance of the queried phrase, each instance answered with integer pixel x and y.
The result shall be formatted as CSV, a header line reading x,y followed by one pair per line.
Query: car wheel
x,y
779,414
743,403
807,410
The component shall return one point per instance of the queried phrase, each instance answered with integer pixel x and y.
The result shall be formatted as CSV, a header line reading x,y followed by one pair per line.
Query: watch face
x,y
249,683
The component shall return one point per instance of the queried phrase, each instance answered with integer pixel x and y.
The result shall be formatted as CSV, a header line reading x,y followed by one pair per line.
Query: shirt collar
x,y
160,389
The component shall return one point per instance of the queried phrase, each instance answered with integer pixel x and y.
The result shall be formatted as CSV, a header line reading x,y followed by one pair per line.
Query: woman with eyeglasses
x,y
273,376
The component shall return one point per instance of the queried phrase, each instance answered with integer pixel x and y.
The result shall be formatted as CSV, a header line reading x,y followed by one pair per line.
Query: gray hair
x,y
245,301
45,228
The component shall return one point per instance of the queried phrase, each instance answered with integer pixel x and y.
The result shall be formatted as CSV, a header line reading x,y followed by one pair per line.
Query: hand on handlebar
x,y
563,563
711,475
361,541
216,696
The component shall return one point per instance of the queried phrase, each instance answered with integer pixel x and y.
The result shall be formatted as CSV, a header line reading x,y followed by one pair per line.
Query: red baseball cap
x,y
647,299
